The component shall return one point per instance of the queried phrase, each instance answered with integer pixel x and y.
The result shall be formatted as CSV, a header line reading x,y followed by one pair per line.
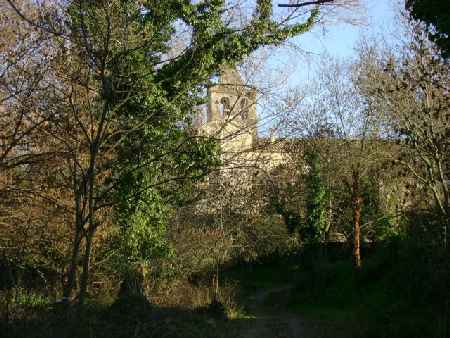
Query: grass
x,y
384,300
390,297
107,322
236,313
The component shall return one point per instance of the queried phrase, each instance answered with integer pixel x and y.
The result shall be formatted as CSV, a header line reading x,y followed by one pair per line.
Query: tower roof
x,y
230,76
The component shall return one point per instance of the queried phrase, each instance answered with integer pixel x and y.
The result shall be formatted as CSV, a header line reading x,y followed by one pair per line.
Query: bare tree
x,y
33,205
409,89
336,121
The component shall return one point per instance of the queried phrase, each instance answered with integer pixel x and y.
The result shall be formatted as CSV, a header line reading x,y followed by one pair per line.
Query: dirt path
x,y
271,317
276,326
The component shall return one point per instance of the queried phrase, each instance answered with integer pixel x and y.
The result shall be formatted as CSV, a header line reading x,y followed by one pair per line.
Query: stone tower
x,y
232,111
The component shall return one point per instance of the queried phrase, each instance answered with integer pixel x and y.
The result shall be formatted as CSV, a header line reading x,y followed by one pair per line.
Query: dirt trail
x,y
271,318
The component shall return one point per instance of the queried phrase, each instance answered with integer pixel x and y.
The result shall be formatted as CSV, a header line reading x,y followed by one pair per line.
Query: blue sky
x,y
337,39
295,67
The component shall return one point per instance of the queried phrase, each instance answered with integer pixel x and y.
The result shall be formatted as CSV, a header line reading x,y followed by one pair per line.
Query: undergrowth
x,y
400,291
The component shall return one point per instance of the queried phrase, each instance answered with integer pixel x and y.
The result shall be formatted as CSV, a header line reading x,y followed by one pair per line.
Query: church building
x,y
232,119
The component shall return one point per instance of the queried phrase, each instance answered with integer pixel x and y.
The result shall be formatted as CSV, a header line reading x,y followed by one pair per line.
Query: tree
x,y
31,236
410,91
316,223
124,98
436,15
340,126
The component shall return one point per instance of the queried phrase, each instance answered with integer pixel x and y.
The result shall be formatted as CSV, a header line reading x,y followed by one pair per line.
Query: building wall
x,y
232,120
231,115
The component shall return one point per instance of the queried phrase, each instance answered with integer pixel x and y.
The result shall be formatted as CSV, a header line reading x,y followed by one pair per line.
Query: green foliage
x,y
152,98
434,13
144,205
29,299
378,219
317,196
291,217
141,240
142,91
377,222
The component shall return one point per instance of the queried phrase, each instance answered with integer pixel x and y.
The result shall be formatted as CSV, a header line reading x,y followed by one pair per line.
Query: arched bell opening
x,y
224,107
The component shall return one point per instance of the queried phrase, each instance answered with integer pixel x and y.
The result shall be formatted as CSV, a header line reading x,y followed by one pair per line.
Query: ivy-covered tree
x,y
315,227
125,92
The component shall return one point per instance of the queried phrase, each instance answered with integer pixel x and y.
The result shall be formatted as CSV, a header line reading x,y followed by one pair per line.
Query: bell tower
x,y
232,109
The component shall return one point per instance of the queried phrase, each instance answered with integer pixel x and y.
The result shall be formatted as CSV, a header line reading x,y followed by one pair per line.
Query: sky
x,y
339,39
295,65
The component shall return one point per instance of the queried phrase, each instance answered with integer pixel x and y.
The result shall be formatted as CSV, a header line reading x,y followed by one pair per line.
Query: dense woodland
x,y
118,218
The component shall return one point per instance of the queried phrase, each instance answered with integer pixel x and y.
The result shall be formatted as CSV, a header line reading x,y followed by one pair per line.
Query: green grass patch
x,y
324,312
384,299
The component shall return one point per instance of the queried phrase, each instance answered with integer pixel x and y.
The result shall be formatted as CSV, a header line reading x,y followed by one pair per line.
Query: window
x,y
244,109
224,106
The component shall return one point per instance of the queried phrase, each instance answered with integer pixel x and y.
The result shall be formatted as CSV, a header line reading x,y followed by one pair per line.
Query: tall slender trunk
x,y
215,283
330,212
357,202
71,273
92,224
446,225
85,273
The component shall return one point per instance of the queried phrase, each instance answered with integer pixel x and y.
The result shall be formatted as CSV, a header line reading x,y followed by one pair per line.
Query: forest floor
x,y
271,307
313,296
269,318
323,296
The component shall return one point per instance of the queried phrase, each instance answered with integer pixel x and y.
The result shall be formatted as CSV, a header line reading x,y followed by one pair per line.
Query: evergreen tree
x,y
316,201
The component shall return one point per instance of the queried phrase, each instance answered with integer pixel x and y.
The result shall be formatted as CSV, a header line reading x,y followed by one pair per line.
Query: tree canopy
x,y
434,13
122,83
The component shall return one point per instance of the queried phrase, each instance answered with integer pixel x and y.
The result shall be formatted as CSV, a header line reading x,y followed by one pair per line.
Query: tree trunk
x,y
85,273
357,202
446,228
71,273
90,177
132,285
215,283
